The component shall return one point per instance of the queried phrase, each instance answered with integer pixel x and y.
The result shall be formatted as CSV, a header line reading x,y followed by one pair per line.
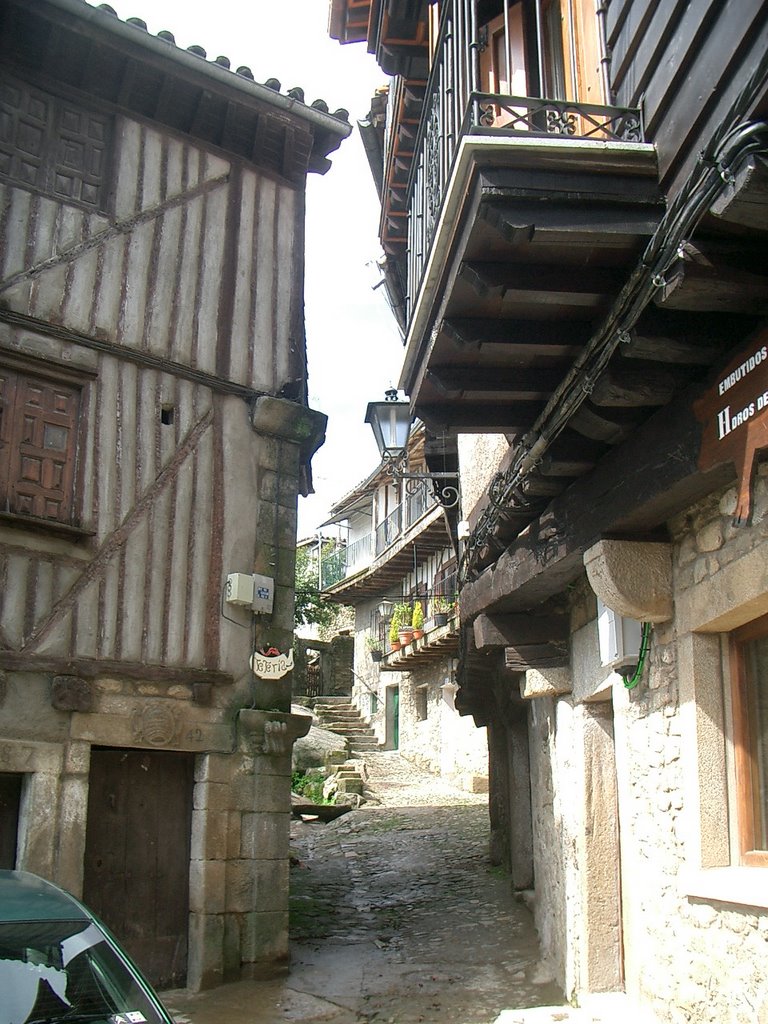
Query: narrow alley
x,y
396,916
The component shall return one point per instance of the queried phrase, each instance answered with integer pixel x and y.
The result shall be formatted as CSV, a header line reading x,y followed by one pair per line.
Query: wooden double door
x,y
136,875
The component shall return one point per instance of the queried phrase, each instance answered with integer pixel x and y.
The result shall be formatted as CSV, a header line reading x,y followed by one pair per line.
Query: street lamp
x,y
390,422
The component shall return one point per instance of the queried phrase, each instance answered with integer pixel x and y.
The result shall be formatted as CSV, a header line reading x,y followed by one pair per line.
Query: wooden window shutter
x,y
39,435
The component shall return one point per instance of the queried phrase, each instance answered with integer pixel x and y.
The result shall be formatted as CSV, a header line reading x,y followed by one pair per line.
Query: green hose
x,y
630,682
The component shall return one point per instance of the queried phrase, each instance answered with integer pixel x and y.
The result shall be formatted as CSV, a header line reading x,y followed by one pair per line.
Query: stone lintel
x,y
633,578
550,682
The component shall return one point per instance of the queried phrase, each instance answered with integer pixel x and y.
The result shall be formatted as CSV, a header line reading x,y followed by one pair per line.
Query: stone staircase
x,y
339,714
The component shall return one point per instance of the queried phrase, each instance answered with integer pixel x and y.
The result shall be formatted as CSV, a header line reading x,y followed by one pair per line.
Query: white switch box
x,y
239,589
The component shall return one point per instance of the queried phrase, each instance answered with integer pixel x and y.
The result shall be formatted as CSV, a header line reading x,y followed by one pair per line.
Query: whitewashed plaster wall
x,y
479,458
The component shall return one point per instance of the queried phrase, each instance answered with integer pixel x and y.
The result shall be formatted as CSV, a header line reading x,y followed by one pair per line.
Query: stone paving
x,y
398,918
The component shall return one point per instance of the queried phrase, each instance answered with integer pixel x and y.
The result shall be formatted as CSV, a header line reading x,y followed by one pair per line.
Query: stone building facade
x,y
154,437
578,260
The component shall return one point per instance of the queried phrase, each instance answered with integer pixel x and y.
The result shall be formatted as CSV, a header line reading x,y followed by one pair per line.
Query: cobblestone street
x,y
397,916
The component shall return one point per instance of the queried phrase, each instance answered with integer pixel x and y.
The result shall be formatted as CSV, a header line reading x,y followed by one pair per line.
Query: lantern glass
x,y
391,423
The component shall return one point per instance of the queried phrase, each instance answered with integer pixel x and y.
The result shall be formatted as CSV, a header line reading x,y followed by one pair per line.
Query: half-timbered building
x,y
154,436
574,214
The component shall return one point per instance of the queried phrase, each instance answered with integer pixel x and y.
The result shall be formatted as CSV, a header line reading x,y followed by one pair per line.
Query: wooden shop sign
x,y
734,413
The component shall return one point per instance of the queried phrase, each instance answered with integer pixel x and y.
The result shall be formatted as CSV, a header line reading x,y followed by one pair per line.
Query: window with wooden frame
x,y
39,426
749,680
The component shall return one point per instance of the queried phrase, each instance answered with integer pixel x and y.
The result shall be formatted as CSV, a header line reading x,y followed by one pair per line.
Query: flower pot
x,y
418,634
394,645
440,619
405,635
376,655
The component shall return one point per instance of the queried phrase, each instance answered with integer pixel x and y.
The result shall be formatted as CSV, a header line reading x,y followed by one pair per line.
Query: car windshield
x,y
54,971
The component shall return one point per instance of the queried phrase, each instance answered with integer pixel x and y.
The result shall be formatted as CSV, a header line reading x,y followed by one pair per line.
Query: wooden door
x,y
137,855
502,63
10,801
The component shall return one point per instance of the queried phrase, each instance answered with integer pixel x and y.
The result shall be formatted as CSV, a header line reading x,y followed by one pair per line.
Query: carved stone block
x,y
71,693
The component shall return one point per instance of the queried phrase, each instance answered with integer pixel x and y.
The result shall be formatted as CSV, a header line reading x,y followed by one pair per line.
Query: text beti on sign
x,y
734,414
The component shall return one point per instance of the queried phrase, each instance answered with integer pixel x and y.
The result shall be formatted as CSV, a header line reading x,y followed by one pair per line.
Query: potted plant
x,y
374,646
405,629
440,609
417,621
394,627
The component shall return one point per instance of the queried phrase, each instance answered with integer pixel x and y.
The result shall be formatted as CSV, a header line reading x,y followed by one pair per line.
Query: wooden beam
x,y
633,386
479,417
745,201
549,285
547,655
634,489
529,337
687,339
515,630
508,382
713,279
571,224
610,428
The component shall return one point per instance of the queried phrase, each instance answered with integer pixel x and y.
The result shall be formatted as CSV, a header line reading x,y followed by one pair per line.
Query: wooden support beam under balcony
x,y
480,417
728,277
686,339
530,338
745,201
596,226
541,285
518,630
496,381
546,655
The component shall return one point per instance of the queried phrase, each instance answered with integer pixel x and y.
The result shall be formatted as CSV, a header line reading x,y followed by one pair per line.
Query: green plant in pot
x,y
405,629
440,609
394,628
374,647
417,621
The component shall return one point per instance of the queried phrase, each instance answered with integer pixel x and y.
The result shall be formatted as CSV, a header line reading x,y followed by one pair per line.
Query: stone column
x,y
597,911
257,883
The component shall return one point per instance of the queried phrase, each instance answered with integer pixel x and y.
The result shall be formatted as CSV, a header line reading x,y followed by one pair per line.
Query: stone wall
x,y
694,924
441,740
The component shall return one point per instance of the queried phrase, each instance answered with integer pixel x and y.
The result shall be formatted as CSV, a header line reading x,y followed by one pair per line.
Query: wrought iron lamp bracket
x,y
447,494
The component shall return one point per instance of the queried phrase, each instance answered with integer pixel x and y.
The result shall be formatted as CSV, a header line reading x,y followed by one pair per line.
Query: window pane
x,y
756,665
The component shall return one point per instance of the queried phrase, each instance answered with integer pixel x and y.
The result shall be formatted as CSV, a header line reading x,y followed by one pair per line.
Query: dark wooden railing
x,y
455,107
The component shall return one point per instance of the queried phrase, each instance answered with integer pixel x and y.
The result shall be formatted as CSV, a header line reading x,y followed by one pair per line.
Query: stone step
x,y
341,716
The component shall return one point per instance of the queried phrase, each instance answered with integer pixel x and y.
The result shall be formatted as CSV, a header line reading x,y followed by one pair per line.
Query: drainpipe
x,y
601,10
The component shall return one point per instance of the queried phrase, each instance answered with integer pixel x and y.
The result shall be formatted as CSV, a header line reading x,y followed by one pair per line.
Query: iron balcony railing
x,y
359,554
389,530
455,106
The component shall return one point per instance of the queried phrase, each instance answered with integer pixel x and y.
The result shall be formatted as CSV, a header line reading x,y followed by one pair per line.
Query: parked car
x,y
58,962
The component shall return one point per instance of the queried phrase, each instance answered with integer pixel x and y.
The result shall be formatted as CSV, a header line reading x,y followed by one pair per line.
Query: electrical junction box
x,y
239,589
263,594
619,638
